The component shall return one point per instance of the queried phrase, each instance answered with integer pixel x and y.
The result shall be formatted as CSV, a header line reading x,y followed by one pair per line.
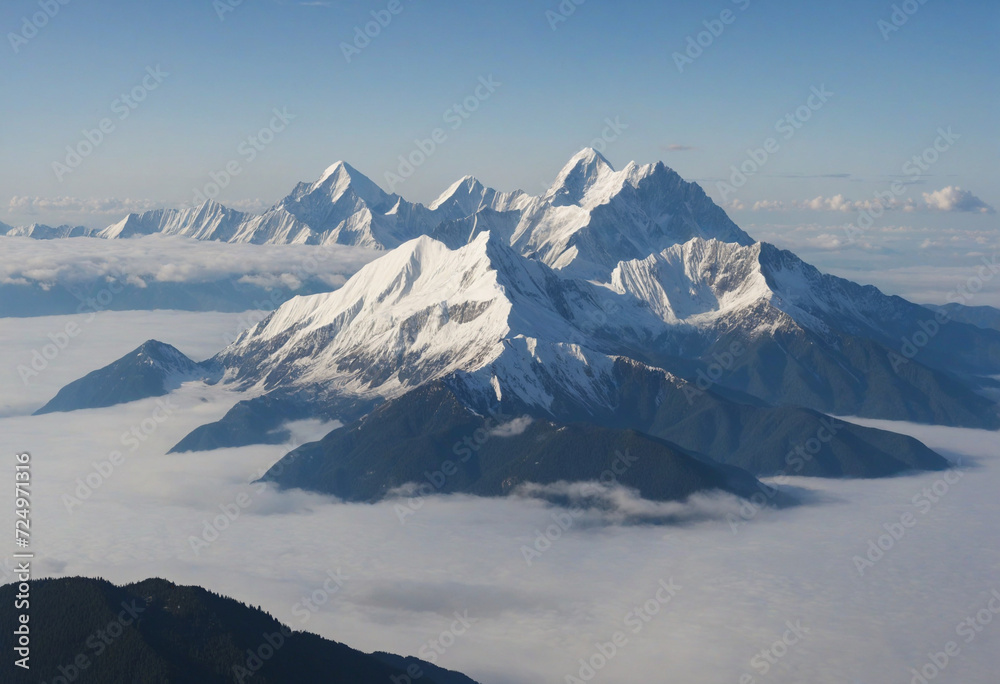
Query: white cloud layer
x,y
949,199
173,259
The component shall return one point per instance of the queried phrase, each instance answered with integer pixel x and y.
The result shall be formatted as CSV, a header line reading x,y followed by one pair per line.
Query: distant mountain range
x,y
90,631
980,316
620,308
345,207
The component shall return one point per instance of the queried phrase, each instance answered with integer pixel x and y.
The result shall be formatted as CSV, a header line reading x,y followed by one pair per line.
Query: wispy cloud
x,y
156,258
810,175
77,205
111,207
949,199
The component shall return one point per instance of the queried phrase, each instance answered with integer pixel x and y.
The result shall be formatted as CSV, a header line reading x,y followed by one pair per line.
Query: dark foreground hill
x,y
89,631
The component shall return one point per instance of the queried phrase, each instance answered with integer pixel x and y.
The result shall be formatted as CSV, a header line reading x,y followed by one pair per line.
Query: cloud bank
x,y
948,199
160,258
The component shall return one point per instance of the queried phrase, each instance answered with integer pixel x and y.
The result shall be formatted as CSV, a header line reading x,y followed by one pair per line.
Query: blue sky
x,y
557,88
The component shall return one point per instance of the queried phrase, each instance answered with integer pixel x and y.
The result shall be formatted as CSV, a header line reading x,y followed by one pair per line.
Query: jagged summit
x,y
341,178
591,217
586,170
464,186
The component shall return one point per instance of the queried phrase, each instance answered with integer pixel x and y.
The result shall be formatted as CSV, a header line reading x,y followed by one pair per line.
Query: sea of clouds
x,y
714,599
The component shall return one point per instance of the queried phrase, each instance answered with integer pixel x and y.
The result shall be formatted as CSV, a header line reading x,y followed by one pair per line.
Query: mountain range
x,y
618,308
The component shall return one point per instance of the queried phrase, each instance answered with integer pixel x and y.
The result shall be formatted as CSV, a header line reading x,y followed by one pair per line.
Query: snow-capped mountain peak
x,y
341,178
424,312
466,186
585,171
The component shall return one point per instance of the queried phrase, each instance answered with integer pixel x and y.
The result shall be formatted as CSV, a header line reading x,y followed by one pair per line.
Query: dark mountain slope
x,y
154,632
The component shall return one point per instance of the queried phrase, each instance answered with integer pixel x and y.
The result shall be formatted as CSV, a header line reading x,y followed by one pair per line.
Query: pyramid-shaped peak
x,y
460,191
590,156
584,170
341,177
